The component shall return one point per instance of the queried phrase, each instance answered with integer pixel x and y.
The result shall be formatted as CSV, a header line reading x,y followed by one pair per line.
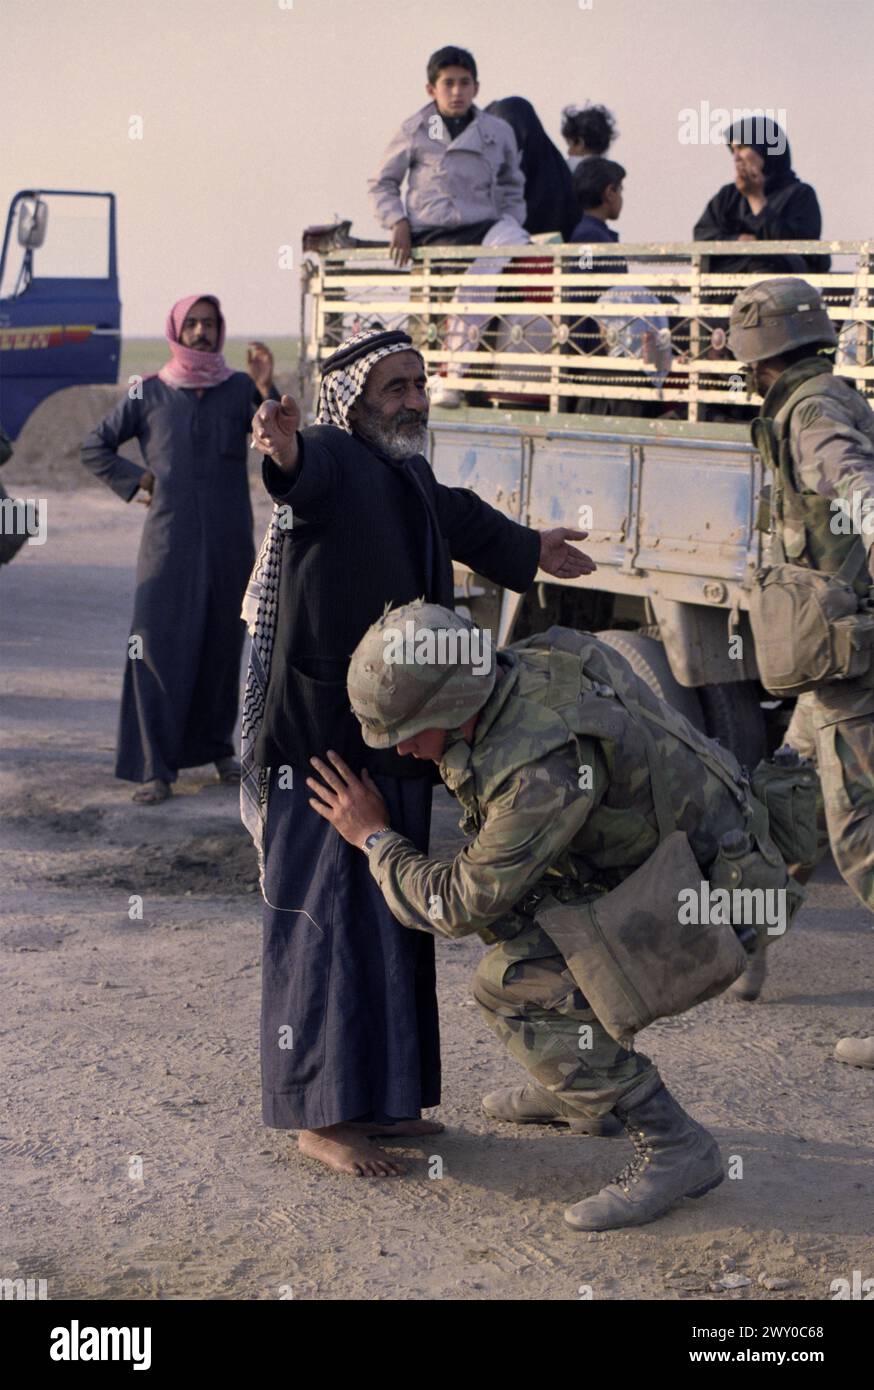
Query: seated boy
x,y
464,179
597,187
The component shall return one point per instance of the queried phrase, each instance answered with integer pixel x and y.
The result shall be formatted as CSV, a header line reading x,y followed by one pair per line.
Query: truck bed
x,y
672,502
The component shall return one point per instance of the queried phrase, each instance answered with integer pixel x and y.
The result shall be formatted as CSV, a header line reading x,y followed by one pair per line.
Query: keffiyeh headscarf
x,y
193,368
343,378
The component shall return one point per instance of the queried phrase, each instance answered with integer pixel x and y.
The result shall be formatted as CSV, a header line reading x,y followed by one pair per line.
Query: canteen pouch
x,y
629,953
768,896
808,628
789,794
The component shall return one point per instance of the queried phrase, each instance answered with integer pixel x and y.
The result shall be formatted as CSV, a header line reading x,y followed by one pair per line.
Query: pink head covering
x,y
193,367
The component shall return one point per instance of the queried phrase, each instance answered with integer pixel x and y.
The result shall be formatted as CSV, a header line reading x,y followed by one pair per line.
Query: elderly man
x,y
349,1040
181,682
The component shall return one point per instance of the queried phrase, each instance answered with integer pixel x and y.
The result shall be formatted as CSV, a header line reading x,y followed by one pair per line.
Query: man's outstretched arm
x,y
501,549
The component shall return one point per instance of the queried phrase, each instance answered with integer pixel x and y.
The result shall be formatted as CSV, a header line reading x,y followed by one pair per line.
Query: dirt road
x,y
130,1039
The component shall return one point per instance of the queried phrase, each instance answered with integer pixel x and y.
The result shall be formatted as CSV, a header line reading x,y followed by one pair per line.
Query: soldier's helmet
x,y
773,316
419,667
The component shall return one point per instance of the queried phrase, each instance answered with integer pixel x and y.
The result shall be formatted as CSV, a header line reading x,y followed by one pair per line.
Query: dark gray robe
x,y
180,698
354,987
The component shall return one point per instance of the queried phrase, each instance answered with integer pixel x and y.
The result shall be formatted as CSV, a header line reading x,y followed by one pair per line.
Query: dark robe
x,y
179,701
549,195
355,987
790,214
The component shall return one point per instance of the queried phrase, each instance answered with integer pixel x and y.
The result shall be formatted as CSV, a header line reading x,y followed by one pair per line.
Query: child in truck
x,y
597,185
462,167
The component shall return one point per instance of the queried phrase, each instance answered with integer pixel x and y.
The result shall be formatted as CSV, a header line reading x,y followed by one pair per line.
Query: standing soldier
x,y
574,779
816,432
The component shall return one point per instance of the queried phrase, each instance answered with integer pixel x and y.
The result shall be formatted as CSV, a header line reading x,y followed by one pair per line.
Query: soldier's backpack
x,y
809,627
631,951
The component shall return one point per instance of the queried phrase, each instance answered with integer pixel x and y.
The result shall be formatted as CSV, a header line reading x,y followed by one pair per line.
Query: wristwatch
x,y
374,836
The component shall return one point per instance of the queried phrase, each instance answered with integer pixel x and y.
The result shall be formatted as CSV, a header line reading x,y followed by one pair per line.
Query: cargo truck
x,y
597,391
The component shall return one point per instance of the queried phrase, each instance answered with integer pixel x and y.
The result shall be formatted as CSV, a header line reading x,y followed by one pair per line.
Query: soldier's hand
x,y
561,559
354,807
274,430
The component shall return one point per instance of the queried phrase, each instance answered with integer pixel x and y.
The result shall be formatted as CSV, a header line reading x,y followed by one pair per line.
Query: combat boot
x,y
749,985
858,1052
534,1105
673,1158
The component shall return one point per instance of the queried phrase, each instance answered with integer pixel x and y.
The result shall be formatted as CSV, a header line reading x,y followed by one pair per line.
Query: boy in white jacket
x,y
464,185
462,167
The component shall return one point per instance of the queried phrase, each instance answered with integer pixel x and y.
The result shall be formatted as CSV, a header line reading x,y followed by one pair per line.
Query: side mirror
x,y
32,222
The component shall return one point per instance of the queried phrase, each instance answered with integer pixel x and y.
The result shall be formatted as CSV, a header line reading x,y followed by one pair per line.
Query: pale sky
x,y
260,116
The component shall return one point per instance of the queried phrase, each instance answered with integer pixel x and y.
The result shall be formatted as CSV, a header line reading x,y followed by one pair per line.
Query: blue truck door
x,y
60,314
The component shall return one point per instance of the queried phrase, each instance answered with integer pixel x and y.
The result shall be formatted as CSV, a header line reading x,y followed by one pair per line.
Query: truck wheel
x,y
647,658
733,715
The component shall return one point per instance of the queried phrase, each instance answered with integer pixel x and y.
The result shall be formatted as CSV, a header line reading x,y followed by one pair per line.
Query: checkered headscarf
x,y
346,371
343,377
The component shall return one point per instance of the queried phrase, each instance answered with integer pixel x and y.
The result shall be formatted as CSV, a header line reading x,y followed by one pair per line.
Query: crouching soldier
x,y
596,811
810,608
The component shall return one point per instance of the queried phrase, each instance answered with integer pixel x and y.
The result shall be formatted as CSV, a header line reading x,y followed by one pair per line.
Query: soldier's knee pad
x,y
483,984
489,985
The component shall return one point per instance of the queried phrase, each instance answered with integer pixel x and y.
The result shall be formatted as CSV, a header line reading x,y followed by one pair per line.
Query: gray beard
x,y
395,441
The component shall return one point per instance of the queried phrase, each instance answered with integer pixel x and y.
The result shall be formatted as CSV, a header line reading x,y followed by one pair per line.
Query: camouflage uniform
x,y
537,827
831,444
830,459
572,775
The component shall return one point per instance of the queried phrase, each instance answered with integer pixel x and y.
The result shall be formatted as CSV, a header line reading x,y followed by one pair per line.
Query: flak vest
x,y
595,694
801,522
628,949
809,607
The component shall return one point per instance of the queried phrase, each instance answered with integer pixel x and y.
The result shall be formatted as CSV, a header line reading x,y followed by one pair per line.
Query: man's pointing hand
x,y
274,431
561,559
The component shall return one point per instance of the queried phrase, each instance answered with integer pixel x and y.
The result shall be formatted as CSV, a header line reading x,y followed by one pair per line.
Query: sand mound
x,y
47,450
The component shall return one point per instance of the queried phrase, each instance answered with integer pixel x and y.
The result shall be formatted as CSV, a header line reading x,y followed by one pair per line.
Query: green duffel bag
x,y
787,786
630,954
808,626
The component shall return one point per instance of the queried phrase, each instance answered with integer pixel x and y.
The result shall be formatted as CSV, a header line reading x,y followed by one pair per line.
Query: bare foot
x,y
399,1127
346,1150
151,793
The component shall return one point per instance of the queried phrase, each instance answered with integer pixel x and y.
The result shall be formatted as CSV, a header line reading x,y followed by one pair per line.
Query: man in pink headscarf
x,y
191,420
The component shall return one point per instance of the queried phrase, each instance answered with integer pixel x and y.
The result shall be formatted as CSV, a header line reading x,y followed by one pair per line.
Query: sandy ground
x,y
140,1037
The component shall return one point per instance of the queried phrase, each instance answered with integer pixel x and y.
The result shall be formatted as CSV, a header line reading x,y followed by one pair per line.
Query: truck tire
x,y
647,658
733,715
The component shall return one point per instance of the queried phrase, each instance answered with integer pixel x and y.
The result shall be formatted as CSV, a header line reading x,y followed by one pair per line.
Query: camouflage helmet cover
x,y
771,317
418,667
